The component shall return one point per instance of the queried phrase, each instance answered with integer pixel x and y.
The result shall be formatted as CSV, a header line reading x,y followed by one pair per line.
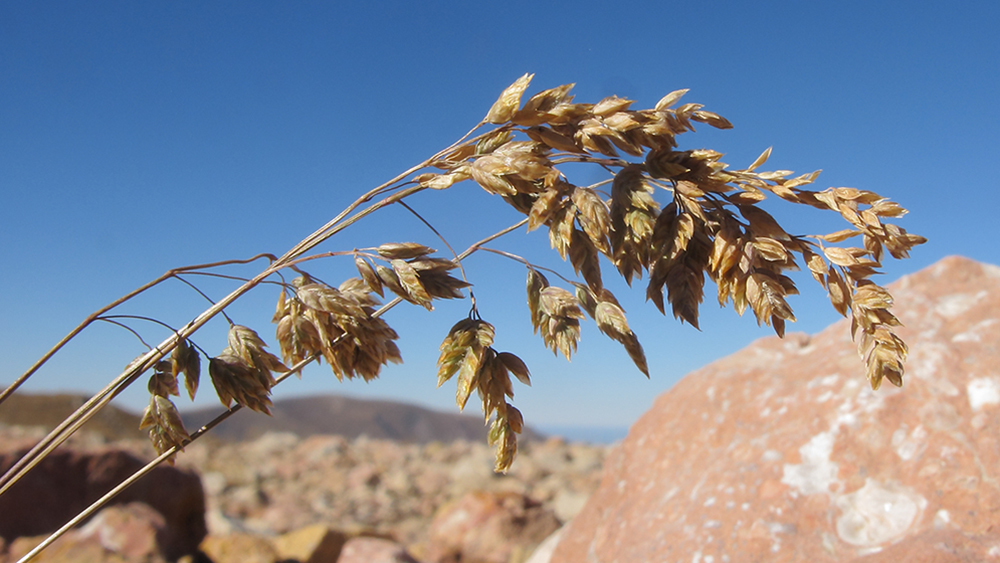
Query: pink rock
x,y
374,550
781,452
67,481
488,527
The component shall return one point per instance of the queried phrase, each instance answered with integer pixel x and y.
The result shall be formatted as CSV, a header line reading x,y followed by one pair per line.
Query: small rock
x,y
374,550
543,553
484,527
239,548
312,544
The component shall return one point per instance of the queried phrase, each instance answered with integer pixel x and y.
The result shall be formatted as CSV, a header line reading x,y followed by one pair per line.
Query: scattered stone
x,y
240,548
484,527
312,544
781,452
374,550
543,553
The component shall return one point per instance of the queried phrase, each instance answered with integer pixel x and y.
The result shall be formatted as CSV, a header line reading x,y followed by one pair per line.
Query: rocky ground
x,y
433,502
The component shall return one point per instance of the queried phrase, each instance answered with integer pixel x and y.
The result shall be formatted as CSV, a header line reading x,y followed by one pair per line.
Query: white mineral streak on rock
x,y
909,446
816,472
983,391
951,306
877,513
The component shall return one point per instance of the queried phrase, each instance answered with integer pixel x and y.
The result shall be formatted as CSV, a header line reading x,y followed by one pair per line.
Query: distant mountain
x,y
21,409
348,417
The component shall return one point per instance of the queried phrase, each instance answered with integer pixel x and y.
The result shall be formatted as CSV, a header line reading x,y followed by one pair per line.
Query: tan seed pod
x,y
235,380
410,280
594,217
163,382
610,105
503,109
463,348
404,250
535,284
186,360
554,139
713,119
369,275
245,343
493,141
546,100
670,99
516,366
585,260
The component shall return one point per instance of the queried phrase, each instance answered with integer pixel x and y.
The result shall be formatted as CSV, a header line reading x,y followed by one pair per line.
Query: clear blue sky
x,y
136,137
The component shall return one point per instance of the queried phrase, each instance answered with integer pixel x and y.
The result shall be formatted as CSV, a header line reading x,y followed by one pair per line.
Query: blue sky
x,y
137,137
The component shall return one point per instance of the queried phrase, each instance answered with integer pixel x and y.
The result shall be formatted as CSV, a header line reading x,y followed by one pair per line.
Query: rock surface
x,y
67,481
781,452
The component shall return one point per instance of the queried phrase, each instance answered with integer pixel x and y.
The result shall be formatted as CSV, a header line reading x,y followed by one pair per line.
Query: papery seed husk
x,y
670,99
404,250
516,366
410,281
509,101
369,275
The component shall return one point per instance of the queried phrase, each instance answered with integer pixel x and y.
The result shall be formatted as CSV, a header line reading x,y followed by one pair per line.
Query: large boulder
x,y
68,481
781,452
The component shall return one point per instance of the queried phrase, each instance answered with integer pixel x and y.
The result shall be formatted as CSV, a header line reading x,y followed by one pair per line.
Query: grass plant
x,y
671,217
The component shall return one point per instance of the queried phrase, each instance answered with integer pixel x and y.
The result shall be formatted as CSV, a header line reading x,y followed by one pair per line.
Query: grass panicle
x,y
676,217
